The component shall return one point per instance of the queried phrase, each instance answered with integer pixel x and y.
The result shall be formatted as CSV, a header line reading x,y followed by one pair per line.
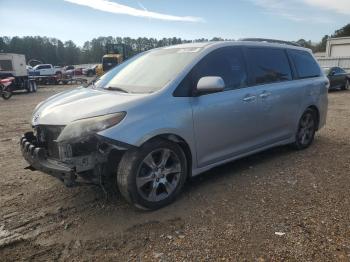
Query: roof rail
x,y
270,41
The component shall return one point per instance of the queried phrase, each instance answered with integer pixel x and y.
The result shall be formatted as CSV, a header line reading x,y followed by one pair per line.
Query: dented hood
x,y
79,103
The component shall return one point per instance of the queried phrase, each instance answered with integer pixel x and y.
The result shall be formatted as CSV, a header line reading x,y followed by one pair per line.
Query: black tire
x,y
133,164
34,86
29,87
306,130
347,85
8,93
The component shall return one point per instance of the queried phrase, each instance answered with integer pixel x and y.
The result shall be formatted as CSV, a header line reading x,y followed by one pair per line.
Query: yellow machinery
x,y
115,54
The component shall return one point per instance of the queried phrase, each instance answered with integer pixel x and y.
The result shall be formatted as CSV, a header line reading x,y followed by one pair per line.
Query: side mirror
x,y
210,84
332,73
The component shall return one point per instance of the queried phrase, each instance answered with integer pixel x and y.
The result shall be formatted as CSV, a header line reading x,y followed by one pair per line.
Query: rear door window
x,y
268,65
305,64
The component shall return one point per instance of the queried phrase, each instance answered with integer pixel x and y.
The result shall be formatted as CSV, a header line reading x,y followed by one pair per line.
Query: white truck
x,y
15,65
46,70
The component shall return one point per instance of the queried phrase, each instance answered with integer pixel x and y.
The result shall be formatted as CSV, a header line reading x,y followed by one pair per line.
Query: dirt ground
x,y
277,205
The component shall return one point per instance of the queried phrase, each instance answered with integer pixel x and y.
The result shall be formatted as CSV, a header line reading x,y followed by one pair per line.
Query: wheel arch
x,y
316,110
182,143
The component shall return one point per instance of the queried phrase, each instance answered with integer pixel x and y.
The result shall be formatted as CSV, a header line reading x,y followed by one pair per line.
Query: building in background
x,y
338,47
337,53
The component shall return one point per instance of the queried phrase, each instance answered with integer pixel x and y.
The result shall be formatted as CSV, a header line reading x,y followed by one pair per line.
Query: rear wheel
x,y
34,86
306,130
31,87
28,87
151,176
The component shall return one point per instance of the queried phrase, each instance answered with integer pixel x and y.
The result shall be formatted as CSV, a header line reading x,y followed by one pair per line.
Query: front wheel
x,y
151,176
347,85
306,130
6,93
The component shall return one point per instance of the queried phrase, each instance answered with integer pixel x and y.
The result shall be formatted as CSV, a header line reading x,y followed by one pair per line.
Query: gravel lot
x,y
276,205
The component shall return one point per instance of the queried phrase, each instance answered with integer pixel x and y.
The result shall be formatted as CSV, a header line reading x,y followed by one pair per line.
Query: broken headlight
x,y
88,126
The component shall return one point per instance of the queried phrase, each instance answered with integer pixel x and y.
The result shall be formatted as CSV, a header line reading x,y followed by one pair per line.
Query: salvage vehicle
x,y
172,113
338,78
44,70
14,65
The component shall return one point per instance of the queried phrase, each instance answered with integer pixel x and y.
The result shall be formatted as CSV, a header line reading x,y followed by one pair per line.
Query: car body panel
x,y
80,103
230,119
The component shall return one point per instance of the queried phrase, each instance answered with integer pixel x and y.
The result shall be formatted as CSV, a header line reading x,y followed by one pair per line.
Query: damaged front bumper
x,y
70,168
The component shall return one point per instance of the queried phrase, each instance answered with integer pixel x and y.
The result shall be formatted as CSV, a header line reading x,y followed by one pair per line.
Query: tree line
x,y
57,52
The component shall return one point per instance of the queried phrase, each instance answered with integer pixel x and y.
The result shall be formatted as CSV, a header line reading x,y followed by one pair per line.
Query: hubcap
x,y
158,175
306,129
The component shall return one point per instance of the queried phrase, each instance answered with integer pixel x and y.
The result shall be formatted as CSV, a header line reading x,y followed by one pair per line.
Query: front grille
x,y
47,136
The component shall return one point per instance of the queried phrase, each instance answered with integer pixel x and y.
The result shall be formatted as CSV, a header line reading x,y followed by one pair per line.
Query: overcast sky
x,y
81,20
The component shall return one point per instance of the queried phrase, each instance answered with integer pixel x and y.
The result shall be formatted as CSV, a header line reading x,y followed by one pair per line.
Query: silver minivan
x,y
171,113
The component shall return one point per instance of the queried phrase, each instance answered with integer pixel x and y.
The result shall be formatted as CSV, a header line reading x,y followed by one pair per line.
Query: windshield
x,y
148,72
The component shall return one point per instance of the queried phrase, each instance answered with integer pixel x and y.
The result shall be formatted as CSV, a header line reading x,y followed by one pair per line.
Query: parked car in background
x,y
78,71
44,70
58,70
174,112
90,71
68,67
71,70
338,78
30,70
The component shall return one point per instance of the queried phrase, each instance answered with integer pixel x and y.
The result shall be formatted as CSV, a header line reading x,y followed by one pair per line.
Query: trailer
x,y
63,79
14,65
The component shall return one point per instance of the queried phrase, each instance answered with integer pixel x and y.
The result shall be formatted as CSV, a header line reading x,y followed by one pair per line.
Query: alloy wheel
x,y
158,175
306,129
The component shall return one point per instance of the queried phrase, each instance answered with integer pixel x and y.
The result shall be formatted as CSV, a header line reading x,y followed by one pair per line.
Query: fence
x,y
343,62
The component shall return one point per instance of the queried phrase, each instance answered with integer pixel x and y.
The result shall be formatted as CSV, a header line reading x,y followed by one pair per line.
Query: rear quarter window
x,y
305,64
268,65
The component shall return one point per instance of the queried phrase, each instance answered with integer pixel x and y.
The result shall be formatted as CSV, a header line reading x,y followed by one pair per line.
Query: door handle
x,y
249,98
265,95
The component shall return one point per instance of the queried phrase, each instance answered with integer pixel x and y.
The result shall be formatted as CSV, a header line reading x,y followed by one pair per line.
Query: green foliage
x,y
342,32
54,51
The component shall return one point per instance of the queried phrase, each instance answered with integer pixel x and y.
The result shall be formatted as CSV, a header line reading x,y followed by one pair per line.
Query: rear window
x,y
5,65
305,64
269,65
340,71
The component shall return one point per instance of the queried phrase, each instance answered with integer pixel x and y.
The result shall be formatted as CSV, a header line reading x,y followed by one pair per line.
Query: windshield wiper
x,y
92,82
115,88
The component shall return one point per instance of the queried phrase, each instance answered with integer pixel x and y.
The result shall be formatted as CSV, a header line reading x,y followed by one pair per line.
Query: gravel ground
x,y
277,205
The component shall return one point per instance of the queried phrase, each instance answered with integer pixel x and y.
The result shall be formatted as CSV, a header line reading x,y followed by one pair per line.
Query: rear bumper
x,y
37,158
